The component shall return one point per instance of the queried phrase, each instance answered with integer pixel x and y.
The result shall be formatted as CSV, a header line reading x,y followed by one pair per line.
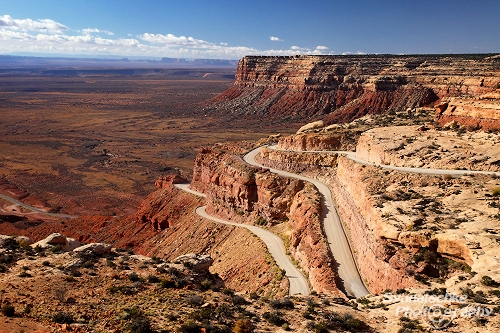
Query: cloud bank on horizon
x,y
50,37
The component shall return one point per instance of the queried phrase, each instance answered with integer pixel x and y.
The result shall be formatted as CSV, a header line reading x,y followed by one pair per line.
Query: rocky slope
x,y
409,229
246,194
343,88
166,226
97,288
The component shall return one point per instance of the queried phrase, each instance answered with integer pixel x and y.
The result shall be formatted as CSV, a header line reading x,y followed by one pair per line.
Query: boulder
x,y
94,248
67,244
198,262
24,240
4,239
311,126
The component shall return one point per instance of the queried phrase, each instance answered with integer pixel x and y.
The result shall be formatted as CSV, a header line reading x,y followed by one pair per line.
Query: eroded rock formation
x,y
474,112
343,88
247,194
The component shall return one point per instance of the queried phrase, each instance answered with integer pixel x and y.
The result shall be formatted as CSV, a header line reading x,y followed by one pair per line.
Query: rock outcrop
x,y
473,112
343,88
198,262
57,239
247,194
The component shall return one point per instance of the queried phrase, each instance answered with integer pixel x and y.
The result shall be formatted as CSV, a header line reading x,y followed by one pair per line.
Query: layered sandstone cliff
x,y
245,194
343,88
474,112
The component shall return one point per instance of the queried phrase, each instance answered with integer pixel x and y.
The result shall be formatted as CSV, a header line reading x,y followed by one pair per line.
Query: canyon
x,y
409,230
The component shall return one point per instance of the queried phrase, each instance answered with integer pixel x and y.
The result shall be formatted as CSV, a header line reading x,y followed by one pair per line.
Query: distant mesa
x,y
339,89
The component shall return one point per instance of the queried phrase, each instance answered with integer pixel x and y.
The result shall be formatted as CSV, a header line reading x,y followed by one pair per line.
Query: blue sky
x,y
226,29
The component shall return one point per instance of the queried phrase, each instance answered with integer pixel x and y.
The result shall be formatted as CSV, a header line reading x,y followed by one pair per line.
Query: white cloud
x,y
31,25
47,36
170,39
275,39
358,53
94,30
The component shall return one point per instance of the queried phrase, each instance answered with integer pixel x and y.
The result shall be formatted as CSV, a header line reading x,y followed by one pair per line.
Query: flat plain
x,y
94,144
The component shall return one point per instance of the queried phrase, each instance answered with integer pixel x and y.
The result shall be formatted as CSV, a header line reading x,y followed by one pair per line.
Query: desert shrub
x,y
202,314
28,308
110,263
140,325
195,300
8,310
363,300
480,297
46,263
62,318
409,325
495,192
173,271
284,303
436,292
243,326
261,221
238,300
494,292
254,295
125,290
224,312
423,279
488,281
310,308
228,291
190,327
321,327
167,283
153,278
161,270
56,248
156,260
188,264
274,318
345,321
467,292
134,277
206,284
61,293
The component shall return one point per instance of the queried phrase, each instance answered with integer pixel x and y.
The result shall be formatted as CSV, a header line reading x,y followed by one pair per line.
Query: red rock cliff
x,y
247,194
343,88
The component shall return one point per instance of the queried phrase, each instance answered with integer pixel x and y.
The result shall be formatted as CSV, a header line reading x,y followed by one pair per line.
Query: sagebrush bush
x,y
8,310
243,326
62,318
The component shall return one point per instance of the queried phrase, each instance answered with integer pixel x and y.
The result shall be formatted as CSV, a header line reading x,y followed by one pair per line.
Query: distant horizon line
x,y
139,58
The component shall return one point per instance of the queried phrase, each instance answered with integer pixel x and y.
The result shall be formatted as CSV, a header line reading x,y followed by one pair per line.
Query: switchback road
x,y
37,210
275,246
337,239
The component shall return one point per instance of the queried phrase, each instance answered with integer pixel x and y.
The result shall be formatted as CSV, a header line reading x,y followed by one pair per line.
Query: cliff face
x,y
474,112
343,88
245,194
